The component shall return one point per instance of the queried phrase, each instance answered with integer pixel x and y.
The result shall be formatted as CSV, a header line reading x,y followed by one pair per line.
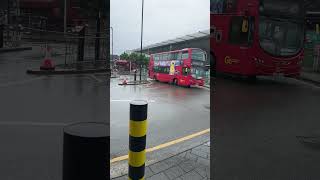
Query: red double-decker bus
x,y
257,37
184,67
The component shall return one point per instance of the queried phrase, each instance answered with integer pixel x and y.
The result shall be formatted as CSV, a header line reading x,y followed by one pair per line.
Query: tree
x,y
135,58
124,56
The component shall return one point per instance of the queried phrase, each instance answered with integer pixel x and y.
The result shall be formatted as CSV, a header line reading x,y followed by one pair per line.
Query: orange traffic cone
x,y
47,63
124,82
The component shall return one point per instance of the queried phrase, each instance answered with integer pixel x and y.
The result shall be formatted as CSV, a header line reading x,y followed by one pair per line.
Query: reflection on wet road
x,y
173,112
256,125
34,110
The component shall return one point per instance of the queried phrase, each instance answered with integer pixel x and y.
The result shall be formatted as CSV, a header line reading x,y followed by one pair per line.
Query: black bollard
x,y
135,75
86,151
1,35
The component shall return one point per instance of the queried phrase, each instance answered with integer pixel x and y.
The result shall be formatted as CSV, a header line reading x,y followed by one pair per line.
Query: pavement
x,y
258,129
192,164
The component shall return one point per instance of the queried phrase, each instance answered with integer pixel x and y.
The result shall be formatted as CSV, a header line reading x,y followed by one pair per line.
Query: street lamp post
x,y
141,40
111,43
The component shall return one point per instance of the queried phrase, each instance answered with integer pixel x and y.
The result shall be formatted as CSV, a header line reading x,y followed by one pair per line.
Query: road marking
x,y
306,83
129,100
164,145
203,87
18,123
20,82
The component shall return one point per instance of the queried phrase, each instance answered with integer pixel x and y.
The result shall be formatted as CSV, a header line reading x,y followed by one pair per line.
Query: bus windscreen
x,y
287,8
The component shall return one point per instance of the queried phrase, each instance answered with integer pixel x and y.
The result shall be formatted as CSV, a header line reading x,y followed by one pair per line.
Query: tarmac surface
x,y
173,112
261,129
34,110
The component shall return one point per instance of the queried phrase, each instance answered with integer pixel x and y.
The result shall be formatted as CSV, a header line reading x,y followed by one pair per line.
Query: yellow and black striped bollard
x,y
137,139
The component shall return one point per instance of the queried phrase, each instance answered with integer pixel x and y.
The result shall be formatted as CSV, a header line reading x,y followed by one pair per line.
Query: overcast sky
x,y
163,20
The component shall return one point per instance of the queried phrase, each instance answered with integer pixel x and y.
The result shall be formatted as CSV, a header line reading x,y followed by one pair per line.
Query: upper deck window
x,y
198,55
185,55
282,8
222,6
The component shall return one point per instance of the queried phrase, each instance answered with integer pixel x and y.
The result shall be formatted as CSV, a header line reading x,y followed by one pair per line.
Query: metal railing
x,y
71,48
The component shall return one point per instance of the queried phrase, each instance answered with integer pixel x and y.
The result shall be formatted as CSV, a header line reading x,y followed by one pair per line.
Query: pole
x,y
18,7
97,47
112,44
8,12
81,40
141,40
137,139
65,18
8,19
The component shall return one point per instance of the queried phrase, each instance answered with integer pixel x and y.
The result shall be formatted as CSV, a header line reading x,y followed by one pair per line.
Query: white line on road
x,y
20,82
18,123
306,83
129,100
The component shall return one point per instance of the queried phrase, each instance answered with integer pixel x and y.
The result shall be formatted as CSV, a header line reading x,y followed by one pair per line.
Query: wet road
x,y
174,112
34,110
256,127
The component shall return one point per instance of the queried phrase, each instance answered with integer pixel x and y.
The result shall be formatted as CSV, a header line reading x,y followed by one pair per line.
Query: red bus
x,y
257,37
184,67
124,65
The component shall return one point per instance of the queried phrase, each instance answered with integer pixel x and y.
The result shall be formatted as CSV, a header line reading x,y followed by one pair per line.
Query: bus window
x,y
198,55
185,55
165,57
161,57
167,70
239,32
179,56
173,56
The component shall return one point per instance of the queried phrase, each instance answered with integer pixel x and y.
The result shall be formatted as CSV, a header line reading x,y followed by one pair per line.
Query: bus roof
x,y
185,49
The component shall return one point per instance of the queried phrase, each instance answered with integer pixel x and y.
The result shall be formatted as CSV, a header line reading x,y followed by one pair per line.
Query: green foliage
x,y
135,57
124,56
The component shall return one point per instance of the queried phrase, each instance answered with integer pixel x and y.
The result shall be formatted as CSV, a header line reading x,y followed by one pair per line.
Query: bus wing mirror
x,y
245,25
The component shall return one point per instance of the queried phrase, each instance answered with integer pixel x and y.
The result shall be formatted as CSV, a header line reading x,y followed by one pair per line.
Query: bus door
x,y
236,58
